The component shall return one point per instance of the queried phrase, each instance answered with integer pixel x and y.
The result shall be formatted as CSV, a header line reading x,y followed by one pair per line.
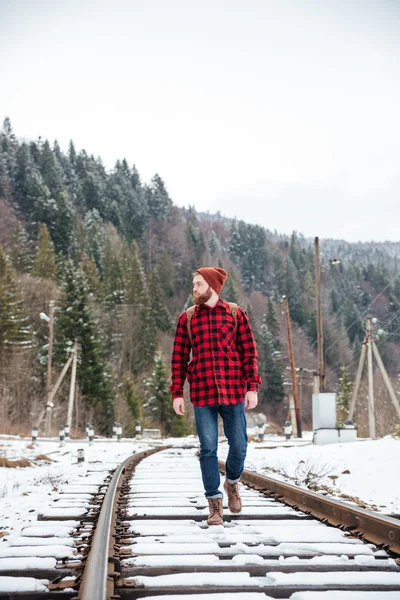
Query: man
x,y
223,379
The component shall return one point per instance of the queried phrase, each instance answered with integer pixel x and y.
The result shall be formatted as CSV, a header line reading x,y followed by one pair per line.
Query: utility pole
x,y
292,367
49,367
371,407
386,377
358,380
72,386
320,335
369,346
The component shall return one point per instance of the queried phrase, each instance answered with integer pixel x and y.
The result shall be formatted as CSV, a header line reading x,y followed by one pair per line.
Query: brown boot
x,y
215,516
234,500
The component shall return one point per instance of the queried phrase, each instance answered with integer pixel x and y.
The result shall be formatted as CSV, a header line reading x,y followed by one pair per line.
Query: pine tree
x,y
51,170
94,228
159,406
135,178
9,146
91,272
278,267
92,184
236,243
248,250
75,321
132,398
24,168
137,296
214,243
15,333
158,201
40,206
344,395
113,280
34,151
272,323
5,179
45,261
336,301
126,202
293,292
72,153
63,230
161,314
353,320
166,272
271,369
196,244
20,251
231,291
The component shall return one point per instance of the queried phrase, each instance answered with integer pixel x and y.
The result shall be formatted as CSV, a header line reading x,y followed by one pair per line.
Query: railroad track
x,y
142,533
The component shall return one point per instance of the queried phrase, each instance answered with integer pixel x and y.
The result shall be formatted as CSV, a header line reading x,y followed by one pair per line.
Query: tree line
x,y
117,257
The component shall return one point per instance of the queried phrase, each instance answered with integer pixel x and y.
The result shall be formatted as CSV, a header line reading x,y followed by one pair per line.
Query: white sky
x,y
283,113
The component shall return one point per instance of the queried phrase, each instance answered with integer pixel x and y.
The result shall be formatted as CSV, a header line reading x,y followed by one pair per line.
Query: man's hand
x,y
179,406
250,400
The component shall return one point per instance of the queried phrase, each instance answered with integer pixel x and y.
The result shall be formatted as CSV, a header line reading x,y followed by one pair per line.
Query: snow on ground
x,y
373,476
367,470
27,491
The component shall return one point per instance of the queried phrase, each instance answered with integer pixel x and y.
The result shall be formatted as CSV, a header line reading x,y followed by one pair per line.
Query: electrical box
x,y
324,411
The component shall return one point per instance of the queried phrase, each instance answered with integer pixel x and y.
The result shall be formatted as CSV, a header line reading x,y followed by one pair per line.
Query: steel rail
x,y
373,527
97,578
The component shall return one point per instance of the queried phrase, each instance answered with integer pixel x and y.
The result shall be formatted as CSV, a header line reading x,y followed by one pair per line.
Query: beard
x,y
202,298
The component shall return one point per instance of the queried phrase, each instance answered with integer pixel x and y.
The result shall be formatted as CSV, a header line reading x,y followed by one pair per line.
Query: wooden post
x,y
315,384
300,386
320,335
357,381
371,407
60,379
292,367
386,377
72,386
49,367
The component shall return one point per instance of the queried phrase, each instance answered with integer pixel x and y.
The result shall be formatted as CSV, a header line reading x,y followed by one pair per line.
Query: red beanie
x,y
214,276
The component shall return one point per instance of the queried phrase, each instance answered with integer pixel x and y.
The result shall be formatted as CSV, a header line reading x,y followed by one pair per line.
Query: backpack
x,y
190,312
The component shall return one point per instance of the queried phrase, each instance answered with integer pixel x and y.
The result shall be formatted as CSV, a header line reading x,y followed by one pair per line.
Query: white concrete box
x,y
347,435
152,434
326,436
324,411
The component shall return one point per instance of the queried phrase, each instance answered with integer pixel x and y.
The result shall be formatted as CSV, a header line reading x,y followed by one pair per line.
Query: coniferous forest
x,y
116,257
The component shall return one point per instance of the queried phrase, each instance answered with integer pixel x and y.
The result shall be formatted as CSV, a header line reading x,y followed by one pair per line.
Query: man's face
x,y
201,290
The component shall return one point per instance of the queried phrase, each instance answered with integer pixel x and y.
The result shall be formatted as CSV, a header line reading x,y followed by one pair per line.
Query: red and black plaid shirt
x,y
223,365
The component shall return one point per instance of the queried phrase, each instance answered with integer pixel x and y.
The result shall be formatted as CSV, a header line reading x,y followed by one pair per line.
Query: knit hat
x,y
214,276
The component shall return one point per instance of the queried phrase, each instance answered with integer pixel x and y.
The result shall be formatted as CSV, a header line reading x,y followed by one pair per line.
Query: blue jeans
x,y
234,421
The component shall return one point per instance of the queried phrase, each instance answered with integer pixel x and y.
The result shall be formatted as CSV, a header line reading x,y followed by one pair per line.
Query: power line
x,y
368,309
351,351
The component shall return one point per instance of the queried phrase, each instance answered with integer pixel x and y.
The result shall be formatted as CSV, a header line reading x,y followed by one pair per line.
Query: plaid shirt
x,y
223,366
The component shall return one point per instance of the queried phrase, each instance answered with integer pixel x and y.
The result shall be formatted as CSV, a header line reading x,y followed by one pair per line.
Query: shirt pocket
x,y
227,335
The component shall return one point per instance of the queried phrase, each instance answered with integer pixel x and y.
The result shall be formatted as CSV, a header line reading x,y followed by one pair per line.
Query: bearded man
x,y
223,379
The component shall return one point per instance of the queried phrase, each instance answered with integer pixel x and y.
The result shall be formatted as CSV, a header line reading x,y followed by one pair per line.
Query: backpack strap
x,y
189,314
233,307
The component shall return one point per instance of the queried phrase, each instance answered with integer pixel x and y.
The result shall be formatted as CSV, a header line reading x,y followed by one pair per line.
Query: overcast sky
x,y
284,113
